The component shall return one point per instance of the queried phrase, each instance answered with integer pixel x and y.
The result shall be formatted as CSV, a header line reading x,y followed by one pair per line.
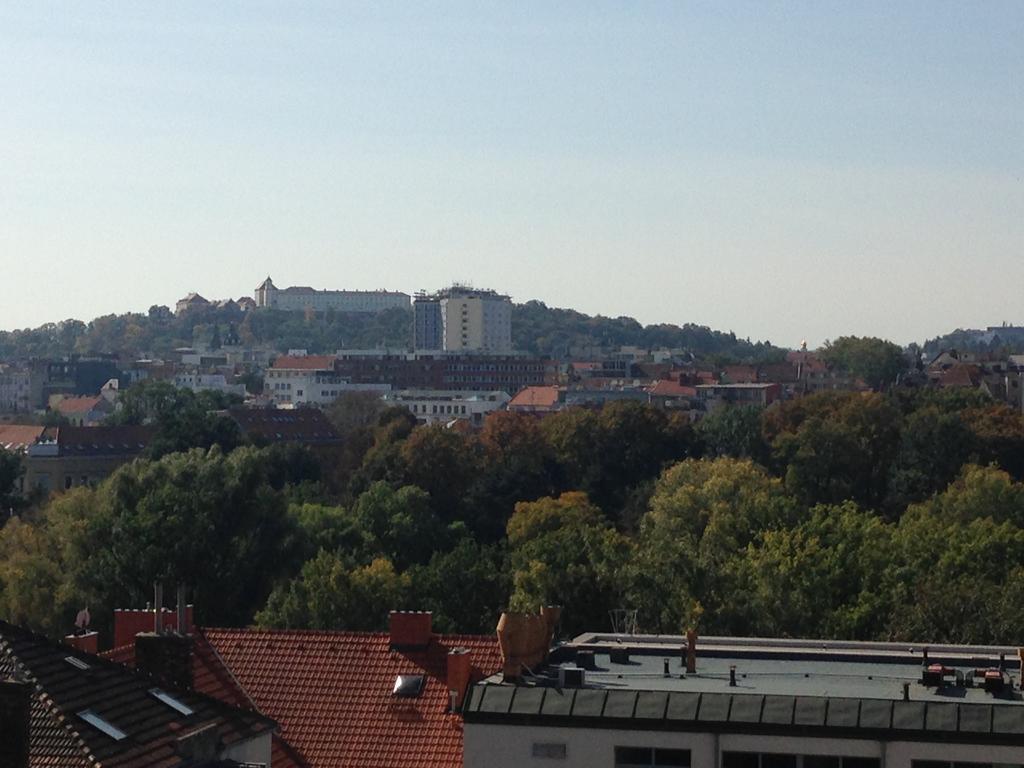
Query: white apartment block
x,y
476,321
15,391
215,382
433,406
269,296
309,380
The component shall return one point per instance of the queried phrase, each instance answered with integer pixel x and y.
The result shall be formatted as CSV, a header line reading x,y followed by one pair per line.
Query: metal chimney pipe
x,y
158,608
182,623
732,675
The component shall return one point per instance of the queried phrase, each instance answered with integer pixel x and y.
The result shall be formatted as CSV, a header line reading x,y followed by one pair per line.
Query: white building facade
x,y
309,380
626,701
300,298
432,406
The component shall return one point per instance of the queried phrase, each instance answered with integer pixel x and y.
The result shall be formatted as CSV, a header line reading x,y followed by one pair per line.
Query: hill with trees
x,y
536,328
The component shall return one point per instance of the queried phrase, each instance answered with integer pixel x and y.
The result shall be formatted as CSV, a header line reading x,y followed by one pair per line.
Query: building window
x,y
549,751
649,757
68,481
773,760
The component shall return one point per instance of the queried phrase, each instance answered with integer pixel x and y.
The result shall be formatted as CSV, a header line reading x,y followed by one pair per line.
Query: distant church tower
x,y
266,293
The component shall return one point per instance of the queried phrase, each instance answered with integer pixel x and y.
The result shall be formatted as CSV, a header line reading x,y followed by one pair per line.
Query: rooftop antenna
x,y
158,608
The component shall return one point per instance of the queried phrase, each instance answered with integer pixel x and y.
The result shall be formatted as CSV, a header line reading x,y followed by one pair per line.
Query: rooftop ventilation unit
x,y
585,660
619,655
571,677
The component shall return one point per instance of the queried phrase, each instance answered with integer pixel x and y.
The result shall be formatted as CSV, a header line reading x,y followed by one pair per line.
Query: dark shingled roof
x,y
60,738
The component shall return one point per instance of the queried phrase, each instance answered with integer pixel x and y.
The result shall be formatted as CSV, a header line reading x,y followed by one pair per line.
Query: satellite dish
x,y
83,618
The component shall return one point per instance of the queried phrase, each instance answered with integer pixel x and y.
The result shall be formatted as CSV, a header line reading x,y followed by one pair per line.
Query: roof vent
x,y
619,655
585,660
408,686
571,677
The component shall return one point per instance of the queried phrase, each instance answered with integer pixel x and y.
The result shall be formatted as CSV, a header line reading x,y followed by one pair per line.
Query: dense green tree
x,y
182,419
330,593
11,469
202,518
824,577
703,514
443,463
733,432
876,361
564,551
841,448
466,587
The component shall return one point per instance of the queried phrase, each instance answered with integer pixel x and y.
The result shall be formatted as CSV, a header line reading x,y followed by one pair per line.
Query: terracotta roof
x,y
300,425
671,388
307,363
78,404
960,375
19,436
535,397
60,738
331,692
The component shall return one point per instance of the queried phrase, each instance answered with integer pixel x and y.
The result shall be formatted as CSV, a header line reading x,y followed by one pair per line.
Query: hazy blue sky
x,y
783,170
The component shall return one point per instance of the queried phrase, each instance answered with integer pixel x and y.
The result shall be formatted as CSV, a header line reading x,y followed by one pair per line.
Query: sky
x,y
787,171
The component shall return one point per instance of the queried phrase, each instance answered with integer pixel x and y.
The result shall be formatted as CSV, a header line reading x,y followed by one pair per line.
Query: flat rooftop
x,y
762,683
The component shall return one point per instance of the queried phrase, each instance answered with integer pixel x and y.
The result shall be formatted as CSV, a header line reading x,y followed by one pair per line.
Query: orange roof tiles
x,y
331,692
671,388
535,397
15,436
78,404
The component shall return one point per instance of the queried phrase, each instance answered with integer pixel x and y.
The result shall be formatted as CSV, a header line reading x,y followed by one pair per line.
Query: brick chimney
x,y
14,723
130,622
410,630
89,642
459,670
691,651
168,658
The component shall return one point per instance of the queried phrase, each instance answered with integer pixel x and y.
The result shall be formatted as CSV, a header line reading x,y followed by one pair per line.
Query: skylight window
x,y
408,686
170,701
102,725
77,663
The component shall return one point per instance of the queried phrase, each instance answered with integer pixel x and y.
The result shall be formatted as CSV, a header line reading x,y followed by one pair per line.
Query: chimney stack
x,y
410,630
15,703
88,642
458,675
165,656
691,651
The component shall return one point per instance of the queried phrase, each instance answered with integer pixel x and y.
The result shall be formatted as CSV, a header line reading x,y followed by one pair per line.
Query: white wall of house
x,y
511,746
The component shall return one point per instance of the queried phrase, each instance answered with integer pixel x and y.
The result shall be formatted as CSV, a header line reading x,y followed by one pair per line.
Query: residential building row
x,y
171,694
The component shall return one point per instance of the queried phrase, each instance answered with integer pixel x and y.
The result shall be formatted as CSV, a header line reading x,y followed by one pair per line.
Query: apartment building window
x,y
651,757
775,760
549,751
68,481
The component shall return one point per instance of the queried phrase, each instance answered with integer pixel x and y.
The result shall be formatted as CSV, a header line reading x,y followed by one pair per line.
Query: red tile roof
x,y
307,363
331,692
78,404
17,436
211,677
535,397
671,388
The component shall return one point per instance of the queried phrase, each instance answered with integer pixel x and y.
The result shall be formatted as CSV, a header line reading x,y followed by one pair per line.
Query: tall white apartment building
x,y
462,319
